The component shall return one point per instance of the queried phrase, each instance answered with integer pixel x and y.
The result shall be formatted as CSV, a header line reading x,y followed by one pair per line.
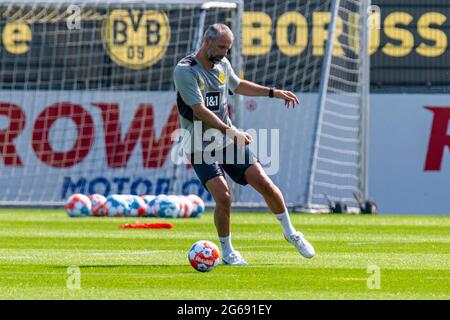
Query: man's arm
x,y
248,88
211,120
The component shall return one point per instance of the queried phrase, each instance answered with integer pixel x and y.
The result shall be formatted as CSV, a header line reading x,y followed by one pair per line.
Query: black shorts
x,y
208,165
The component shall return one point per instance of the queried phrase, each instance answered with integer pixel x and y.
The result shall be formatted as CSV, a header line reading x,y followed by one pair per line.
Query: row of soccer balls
x,y
117,205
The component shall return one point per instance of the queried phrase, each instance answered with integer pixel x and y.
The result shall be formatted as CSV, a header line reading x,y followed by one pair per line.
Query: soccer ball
x,y
78,205
150,209
147,198
204,256
116,206
176,200
198,206
166,207
137,205
97,202
187,207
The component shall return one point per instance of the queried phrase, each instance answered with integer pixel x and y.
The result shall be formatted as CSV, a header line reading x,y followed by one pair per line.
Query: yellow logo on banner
x,y
222,78
17,37
136,38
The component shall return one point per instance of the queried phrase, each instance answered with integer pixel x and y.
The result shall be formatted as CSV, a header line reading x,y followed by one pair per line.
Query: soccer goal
x,y
339,166
87,101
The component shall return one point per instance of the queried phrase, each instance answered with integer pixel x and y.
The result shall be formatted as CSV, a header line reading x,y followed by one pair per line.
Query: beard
x,y
214,59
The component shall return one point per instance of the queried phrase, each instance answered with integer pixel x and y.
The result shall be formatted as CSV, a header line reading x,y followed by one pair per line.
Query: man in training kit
x,y
202,82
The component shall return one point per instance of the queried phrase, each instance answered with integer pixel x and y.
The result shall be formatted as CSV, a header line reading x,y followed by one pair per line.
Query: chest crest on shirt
x,y
221,77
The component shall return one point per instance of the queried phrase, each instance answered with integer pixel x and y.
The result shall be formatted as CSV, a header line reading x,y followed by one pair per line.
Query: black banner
x,y
412,52
116,48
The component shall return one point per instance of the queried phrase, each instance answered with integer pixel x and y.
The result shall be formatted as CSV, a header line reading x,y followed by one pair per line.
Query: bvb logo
x,y
136,38
222,78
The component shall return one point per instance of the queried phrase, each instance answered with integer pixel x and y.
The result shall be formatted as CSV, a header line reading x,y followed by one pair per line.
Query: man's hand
x,y
239,137
248,88
288,97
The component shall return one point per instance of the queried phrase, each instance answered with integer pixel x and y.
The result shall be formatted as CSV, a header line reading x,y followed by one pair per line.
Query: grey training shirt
x,y
194,84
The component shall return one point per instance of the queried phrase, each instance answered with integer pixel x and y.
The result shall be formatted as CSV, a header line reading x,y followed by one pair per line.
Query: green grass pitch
x,y
407,256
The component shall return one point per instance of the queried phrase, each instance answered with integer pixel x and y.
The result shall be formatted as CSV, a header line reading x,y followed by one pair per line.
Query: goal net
x,y
87,101
338,169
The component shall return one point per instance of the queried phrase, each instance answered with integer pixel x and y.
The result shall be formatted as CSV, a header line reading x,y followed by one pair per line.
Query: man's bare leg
x,y
219,190
259,180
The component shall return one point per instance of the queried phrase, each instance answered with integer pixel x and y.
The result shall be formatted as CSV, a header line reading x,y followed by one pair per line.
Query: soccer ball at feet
x,y
204,256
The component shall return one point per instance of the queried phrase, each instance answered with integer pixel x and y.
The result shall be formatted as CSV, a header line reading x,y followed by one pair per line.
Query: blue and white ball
x,y
198,206
138,206
176,199
147,198
166,207
116,206
150,211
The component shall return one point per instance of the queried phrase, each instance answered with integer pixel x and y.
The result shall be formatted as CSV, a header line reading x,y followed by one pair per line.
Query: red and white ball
x,y
78,205
204,256
97,203
187,205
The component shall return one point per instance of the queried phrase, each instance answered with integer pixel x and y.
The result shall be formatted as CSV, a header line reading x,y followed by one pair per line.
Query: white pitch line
x,y
128,252
386,242
349,279
83,273
437,278
273,247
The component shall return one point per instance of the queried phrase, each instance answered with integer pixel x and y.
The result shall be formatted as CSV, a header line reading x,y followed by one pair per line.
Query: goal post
x,y
339,164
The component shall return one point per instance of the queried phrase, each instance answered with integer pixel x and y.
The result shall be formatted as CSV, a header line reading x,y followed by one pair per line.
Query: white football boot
x,y
234,259
304,247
